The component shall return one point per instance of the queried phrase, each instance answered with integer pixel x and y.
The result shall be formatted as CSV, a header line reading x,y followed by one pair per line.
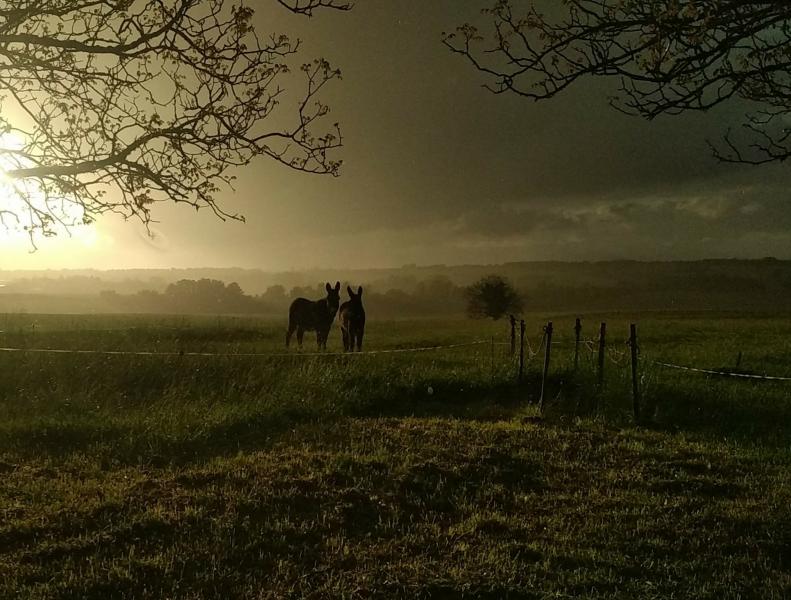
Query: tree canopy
x,y
669,56
492,297
115,105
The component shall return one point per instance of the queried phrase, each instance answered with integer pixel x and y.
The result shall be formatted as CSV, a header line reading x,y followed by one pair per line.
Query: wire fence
x,y
621,358
243,354
719,373
524,350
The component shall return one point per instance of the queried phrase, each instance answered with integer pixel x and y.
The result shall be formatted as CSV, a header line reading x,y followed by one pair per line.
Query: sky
x,y
439,171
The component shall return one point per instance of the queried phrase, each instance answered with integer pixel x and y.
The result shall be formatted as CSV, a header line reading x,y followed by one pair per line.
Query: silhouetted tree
x,y
113,105
670,56
275,294
492,297
208,295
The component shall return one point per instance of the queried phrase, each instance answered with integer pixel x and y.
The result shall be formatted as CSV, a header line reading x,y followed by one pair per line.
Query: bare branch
x,y
120,104
669,57
306,7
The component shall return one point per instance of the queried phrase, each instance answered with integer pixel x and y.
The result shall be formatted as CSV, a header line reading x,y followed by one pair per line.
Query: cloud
x,y
726,221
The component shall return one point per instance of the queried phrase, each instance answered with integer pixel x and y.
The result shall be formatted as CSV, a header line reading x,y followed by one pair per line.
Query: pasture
x,y
422,475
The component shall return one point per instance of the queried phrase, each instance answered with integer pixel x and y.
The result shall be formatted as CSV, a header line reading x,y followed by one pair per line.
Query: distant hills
x,y
609,285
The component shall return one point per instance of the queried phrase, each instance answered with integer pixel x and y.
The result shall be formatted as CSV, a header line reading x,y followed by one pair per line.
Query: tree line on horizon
x,y
439,296
433,297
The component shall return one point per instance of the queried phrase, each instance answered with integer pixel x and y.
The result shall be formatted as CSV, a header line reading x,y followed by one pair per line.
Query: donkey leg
x,y
300,333
345,336
289,333
359,340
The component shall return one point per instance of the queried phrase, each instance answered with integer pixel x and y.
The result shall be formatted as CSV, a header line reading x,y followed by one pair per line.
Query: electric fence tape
x,y
239,354
722,373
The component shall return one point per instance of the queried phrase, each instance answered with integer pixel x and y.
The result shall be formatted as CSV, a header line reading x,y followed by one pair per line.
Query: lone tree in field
x,y
670,56
492,297
114,105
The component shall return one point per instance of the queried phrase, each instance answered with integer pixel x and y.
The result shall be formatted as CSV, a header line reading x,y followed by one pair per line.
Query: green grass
x,y
420,475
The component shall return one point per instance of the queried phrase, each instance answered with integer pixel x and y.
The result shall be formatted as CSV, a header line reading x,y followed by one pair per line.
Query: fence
x,y
620,354
242,354
627,353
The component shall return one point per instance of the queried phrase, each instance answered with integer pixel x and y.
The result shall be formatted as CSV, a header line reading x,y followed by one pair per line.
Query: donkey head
x,y
356,299
333,297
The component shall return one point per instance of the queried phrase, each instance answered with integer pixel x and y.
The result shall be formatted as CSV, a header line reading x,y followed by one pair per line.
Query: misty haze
x,y
451,299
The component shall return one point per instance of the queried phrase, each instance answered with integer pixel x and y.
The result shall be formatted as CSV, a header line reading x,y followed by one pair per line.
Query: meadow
x,y
423,475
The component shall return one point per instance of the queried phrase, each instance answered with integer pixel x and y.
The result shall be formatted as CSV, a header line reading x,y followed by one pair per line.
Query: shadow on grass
x,y
478,401
471,512
131,440
313,522
750,413
130,444
758,416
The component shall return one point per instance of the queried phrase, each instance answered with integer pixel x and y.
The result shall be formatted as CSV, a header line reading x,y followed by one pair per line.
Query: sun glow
x,y
20,199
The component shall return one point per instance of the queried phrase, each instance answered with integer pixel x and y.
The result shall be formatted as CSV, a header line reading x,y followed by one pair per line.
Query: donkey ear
x,y
329,289
337,286
349,291
360,291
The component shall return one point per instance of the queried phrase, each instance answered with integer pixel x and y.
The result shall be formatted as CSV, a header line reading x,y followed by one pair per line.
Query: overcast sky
x,y
437,170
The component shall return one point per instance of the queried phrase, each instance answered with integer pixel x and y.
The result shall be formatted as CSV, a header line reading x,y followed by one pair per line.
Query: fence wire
x,y
241,354
721,373
622,357
613,354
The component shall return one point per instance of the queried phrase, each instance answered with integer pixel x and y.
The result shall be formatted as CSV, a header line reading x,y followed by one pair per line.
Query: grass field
x,y
421,475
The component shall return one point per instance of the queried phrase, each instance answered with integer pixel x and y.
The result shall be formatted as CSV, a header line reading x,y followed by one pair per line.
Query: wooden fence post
x,y
512,318
602,336
521,350
577,332
545,372
635,384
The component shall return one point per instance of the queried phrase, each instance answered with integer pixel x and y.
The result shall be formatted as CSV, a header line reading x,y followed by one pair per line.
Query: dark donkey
x,y
352,320
308,315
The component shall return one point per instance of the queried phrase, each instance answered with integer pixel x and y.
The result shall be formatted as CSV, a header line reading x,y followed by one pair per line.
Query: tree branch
x,y
668,57
124,105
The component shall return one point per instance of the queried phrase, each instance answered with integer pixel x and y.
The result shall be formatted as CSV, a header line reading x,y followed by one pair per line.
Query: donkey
x,y
308,315
352,320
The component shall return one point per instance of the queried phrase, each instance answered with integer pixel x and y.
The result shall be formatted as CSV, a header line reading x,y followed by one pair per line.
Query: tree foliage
x,y
670,56
492,297
114,105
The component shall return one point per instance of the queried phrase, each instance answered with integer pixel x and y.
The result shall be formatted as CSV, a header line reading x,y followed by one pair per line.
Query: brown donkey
x,y
352,320
308,315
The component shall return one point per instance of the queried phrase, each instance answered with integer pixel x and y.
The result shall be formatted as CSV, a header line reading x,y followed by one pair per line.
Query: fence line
x,y
533,353
240,354
615,356
722,373
619,358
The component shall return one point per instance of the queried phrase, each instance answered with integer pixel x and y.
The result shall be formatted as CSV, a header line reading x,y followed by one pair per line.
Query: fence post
x,y
512,318
545,372
577,332
521,350
635,385
492,363
602,336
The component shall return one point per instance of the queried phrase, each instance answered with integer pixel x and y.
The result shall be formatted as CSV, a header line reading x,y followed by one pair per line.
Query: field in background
x,y
422,474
